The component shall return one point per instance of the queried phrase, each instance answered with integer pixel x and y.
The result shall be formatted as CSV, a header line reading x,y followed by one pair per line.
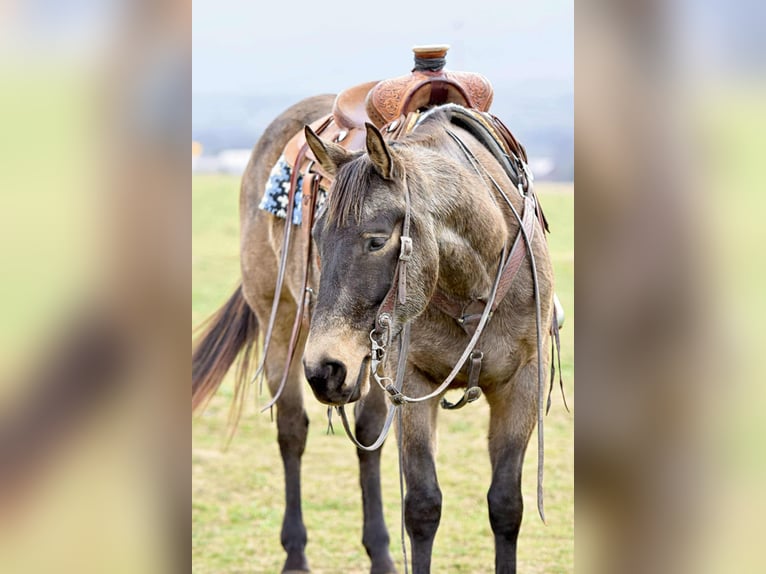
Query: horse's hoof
x,y
391,571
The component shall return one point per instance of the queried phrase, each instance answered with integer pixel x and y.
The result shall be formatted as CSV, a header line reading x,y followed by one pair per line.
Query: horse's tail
x,y
233,328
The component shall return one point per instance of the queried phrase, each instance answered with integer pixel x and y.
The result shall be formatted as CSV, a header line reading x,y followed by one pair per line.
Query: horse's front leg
x,y
513,409
423,502
370,416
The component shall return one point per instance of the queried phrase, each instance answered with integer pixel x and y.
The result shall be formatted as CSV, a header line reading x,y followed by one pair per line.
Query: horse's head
x,y
358,242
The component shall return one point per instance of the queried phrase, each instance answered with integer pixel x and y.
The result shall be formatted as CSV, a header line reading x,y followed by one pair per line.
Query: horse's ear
x,y
378,151
329,155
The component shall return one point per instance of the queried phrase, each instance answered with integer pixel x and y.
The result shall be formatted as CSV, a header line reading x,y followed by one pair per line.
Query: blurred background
x,y
252,61
94,289
95,227
669,437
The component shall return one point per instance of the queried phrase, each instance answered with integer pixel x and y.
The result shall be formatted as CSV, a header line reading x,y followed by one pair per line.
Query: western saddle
x,y
392,105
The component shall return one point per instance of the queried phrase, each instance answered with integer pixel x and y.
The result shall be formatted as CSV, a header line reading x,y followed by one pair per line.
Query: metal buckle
x,y
405,249
377,352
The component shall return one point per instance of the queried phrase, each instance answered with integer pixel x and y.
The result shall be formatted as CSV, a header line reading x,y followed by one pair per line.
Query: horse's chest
x,y
436,360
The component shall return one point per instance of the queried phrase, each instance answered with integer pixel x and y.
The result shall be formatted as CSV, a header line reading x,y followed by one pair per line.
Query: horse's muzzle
x,y
327,379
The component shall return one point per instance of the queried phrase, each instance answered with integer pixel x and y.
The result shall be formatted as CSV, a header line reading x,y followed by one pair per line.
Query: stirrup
x,y
559,310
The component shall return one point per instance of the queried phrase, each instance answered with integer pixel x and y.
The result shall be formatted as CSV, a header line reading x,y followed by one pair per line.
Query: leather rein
x,y
473,317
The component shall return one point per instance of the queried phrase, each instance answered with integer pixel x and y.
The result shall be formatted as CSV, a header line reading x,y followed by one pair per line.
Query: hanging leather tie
x,y
473,391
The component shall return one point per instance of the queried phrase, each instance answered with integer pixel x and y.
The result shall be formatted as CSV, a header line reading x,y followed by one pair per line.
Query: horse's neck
x,y
471,237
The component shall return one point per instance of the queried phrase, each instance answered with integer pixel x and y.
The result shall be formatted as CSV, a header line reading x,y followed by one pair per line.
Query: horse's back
x,y
270,146
261,232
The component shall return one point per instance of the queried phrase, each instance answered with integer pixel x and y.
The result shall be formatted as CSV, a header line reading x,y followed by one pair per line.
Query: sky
x,y
302,47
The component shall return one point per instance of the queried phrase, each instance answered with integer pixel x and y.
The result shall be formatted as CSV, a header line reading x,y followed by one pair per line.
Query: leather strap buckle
x,y
405,250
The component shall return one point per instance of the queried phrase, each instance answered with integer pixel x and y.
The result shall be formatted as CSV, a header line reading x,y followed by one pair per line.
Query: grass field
x,y
238,493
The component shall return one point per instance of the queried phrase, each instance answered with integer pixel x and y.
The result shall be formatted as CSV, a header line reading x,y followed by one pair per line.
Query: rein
x,y
394,389
529,208
473,317
383,333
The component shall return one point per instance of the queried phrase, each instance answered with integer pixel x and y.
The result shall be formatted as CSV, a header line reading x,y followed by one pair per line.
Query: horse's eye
x,y
376,243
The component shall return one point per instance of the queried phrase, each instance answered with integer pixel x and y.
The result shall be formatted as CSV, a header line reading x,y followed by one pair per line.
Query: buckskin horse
x,y
421,266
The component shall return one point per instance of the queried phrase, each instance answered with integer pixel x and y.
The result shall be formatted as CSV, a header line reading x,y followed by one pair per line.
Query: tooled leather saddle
x,y
392,105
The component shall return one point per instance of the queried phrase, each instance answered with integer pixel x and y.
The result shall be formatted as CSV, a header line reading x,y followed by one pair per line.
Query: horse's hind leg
x,y
370,416
292,431
292,426
513,409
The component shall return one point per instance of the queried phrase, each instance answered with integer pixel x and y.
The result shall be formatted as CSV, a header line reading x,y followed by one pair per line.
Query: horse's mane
x,y
354,178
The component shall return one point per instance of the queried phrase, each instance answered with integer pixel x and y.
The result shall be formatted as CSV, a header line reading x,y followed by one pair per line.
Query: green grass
x,y
238,493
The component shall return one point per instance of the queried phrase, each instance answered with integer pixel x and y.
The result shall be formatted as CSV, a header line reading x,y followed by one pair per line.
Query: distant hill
x,y
540,114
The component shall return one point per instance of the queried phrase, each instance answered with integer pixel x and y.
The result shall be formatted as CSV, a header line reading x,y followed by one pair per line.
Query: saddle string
x,y
282,266
553,376
557,341
556,354
308,214
294,176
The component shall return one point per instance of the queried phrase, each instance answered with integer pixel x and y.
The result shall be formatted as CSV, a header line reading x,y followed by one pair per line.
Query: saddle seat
x,y
392,105
350,107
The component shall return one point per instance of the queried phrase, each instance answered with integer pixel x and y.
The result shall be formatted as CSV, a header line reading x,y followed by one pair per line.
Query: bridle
x,y
472,317
510,261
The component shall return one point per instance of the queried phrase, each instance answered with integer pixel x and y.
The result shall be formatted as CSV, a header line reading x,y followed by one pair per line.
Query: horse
x,y
442,189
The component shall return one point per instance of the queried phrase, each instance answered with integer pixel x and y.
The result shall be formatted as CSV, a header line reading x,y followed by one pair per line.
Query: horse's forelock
x,y
354,179
348,193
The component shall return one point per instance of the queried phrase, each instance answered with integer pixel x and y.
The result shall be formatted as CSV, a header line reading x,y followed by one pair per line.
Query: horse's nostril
x,y
327,376
336,371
